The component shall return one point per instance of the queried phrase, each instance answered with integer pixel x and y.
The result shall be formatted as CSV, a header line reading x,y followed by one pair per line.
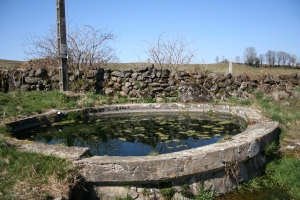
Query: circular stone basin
x,y
214,165
141,134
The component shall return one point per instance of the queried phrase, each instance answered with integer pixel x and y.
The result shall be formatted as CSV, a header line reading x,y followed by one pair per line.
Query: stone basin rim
x,y
248,144
139,169
240,111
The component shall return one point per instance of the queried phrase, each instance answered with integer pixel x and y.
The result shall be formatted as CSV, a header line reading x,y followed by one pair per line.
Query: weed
x,y
167,192
213,101
272,150
138,85
210,112
5,129
297,89
153,153
232,171
122,100
236,101
205,193
285,173
73,115
225,138
246,102
233,100
165,99
127,187
145,192
126,198
22,171
149,100
252,185
186,192
19,103
259,96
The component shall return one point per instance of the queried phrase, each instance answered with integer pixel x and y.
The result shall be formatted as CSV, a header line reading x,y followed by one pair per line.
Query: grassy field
x,y
14,168
6,64
217,68
31,176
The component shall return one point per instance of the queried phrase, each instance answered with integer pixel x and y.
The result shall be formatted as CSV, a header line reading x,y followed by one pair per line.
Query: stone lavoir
x,y
221,166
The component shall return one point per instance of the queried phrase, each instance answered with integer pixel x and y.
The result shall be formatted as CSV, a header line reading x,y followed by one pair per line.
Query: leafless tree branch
x,y
169,52
87,46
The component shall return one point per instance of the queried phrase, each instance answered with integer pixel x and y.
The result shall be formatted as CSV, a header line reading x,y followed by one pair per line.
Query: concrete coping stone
x,y
243,146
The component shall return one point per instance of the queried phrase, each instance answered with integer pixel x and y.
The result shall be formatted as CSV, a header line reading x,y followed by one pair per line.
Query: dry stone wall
x,y
149,82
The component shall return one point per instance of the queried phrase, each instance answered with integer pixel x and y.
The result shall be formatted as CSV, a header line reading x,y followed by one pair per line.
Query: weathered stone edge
x,y
76,153
184,163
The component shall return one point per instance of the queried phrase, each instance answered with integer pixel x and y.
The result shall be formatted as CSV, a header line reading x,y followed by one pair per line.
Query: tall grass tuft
x,y
27,175
286,173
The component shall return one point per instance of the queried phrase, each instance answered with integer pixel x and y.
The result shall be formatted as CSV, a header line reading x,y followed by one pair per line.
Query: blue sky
x,y
216,27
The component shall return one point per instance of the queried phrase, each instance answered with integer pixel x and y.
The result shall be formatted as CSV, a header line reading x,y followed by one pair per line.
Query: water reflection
x,y
139,134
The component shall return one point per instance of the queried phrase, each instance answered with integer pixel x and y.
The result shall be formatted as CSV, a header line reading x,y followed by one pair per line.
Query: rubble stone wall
x,y
149,82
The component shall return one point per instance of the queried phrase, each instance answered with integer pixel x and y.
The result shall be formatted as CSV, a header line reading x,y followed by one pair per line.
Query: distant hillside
x,y
6,64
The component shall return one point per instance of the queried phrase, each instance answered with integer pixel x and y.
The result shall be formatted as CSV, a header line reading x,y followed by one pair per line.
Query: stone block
x,y
32,80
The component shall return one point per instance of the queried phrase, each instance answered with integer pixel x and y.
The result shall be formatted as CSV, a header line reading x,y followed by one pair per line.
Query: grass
x,y
286,112
19,103
206,68
35,176
282,173
285,173
153,153
26,175
218,67
205,193
225,138
6,64
236,101
283,170
167,192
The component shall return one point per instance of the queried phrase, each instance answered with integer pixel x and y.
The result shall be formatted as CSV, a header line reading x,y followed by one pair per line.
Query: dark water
x,y
140,134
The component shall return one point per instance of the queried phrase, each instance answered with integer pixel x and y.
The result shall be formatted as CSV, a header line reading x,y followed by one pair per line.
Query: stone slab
x,y
69,153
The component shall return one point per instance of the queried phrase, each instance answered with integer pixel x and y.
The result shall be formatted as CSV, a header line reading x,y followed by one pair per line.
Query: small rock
x,y
41,73
279,95
143,69
118,74
290,147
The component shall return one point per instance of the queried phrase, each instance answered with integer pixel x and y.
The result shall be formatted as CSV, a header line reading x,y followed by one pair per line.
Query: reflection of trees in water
x,y
110,147
163,133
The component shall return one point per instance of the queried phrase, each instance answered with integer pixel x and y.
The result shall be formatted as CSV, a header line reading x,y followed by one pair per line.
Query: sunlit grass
x,y
218,68
27,175
19,103
285,173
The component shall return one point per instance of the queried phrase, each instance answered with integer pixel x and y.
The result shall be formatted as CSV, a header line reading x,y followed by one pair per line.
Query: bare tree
x,y
237,59
169,52
292,60
261,58
279,56
41,46
217,59
250,55
271,57
86,46
285,57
